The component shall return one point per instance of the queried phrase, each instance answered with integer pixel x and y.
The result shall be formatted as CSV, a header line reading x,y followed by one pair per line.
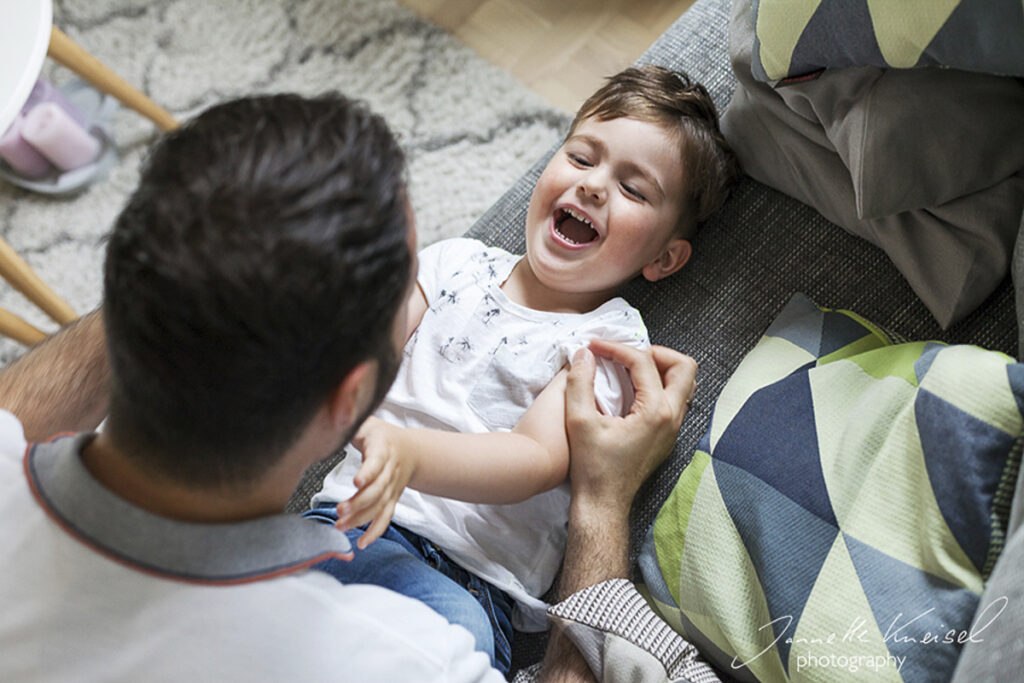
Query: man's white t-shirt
x,y
94,589
475,364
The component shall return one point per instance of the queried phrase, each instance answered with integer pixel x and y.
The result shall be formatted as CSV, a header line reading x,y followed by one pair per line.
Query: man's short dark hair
x,y
262,257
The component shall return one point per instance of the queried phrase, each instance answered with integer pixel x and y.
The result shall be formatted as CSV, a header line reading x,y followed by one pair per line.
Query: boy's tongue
x,y
576,230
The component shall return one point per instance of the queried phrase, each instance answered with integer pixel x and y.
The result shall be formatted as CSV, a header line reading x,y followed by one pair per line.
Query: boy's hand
x,y
387,468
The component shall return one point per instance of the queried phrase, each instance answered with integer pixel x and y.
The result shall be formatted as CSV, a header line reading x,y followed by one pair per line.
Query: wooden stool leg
x,y
68,53
14,269
20,331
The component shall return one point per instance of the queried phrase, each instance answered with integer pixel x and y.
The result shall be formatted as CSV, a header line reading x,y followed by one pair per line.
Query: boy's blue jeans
x,y
413,566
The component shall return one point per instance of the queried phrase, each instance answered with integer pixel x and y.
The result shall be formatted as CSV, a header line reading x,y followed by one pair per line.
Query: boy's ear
x,y
675,255
351,396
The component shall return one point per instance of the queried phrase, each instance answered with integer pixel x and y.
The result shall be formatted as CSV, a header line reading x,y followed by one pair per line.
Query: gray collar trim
x,y
205,553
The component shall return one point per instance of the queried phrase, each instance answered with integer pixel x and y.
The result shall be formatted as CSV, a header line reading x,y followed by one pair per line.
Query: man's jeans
x,y
413,566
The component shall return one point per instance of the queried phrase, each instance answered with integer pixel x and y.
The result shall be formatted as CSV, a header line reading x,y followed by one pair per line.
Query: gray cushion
x,y
924,137
891,157
996,653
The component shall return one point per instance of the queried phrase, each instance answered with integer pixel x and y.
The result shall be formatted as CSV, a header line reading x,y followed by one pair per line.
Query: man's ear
x,y
675,255
353,394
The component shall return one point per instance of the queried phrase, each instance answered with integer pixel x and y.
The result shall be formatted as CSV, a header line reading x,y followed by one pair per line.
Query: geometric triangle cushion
x,y
845,507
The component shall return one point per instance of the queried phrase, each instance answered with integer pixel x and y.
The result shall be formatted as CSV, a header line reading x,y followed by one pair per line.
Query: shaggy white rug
x,y
469,128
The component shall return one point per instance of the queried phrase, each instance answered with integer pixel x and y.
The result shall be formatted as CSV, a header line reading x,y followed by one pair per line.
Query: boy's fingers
x,y
365,500
369,471
375,530
359,516
579,385
349,517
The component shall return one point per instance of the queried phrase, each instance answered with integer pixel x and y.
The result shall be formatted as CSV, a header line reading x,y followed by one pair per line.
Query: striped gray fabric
x,y
615,608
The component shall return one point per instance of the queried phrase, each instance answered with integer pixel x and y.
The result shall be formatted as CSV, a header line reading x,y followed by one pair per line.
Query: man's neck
x,y
161,495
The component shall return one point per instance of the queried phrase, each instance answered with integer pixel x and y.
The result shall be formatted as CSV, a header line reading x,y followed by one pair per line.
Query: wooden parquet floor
x,y
561,49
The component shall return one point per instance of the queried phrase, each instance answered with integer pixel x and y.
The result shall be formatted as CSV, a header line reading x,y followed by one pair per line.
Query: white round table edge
x,y
27,28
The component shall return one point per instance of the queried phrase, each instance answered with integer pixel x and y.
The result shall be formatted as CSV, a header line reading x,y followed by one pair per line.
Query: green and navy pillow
x,y
845,507
799,37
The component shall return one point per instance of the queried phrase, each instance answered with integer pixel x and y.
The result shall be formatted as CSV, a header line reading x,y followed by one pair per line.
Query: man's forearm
x,y
611,458
62,384
596,550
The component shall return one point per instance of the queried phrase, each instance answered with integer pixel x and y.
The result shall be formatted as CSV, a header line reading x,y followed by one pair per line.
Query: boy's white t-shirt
x,y
475,364
73,610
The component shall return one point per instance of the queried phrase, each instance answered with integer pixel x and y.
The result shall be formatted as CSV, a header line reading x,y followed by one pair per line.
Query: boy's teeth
x,y
578,216
574,227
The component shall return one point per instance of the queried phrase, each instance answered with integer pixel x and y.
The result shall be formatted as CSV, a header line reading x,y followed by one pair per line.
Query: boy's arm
x,y
494,468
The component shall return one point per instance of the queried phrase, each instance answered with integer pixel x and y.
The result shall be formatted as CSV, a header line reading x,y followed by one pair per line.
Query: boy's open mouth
x,y
574,227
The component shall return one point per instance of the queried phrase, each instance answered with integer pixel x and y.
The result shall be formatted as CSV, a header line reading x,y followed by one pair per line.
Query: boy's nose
x,y
592,187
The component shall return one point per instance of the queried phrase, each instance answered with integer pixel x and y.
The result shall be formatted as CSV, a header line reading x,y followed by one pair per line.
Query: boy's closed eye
x,y
633,192
578,159
628,188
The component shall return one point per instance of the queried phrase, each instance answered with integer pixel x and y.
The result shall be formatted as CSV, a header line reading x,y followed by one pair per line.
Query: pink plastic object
x,y
58,137
20,155
44,91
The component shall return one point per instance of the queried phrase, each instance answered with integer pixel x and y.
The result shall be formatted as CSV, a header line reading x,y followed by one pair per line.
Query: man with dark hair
x,y
254,311
261,259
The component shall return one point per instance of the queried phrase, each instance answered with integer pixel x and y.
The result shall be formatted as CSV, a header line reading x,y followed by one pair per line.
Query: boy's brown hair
x,y
682,107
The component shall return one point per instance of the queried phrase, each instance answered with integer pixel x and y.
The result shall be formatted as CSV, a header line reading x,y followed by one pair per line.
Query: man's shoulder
x,y
12,437
299,626
371,631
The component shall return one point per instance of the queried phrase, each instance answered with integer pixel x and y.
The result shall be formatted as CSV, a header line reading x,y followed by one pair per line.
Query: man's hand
x,y
387,468
612,456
